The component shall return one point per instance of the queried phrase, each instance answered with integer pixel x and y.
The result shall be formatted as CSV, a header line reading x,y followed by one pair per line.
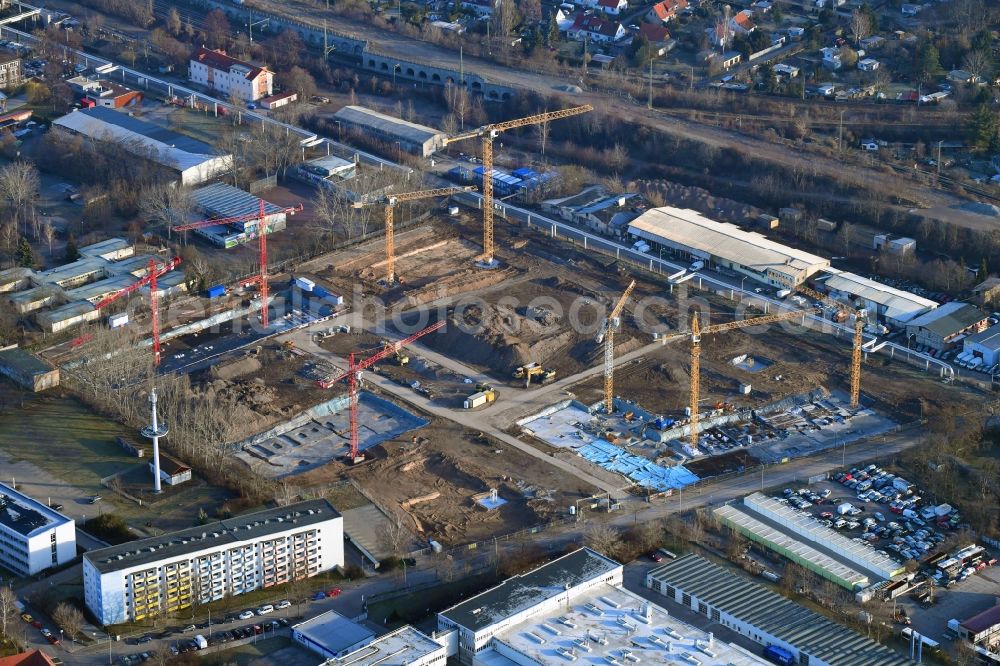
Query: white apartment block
x,y
33,537
163,574
230,77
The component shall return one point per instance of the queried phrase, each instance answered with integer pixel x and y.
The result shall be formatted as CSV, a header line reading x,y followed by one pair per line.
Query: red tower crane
x,y
155,271
355,368
260,216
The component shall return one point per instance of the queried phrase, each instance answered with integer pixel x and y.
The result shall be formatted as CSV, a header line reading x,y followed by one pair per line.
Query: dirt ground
x,y
434,481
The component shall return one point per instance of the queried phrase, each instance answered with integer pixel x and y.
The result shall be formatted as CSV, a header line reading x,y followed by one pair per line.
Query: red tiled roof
x,y
743,20
222,62
668,8
654,33
31,658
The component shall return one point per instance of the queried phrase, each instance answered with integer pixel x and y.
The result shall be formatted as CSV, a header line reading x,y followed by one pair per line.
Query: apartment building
x,y
10,69
33,537
230,77
202,564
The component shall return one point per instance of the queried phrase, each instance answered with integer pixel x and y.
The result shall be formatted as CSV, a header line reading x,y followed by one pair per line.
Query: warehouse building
x,y
403,647
112,249
791,548
28,370
413,138
984,345
220,200
15,279
164,574
193,161
325,171
691,236
33,537
331,635
572,607
764,616
945,326
893,306
983,628
67,316
73,274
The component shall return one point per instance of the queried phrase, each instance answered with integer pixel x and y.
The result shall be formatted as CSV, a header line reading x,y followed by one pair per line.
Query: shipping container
x,y
216,291
118,320
779,655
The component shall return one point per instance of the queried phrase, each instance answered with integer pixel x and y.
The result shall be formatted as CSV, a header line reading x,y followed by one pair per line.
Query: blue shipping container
x,y
216,291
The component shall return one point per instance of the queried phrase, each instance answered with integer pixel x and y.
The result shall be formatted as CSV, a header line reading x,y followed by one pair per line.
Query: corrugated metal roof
x,y
222,200
899,305
754,604
989,339
949,319
690,230
386,124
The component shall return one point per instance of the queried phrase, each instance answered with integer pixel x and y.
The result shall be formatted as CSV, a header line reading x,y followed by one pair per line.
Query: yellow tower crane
x,y
697,331
609,348
489,132
859,340
390,201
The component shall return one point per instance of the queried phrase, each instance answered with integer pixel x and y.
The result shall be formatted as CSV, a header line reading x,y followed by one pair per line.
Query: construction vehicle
x,y
390,201
489,132
533,369
288,345
155,271
261,217
352,375
696,332
398,355
609,348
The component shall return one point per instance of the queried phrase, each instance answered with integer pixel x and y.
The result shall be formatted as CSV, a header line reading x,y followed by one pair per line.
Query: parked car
x,y
246,615
334,592
265,609
283,604
656,557
319,595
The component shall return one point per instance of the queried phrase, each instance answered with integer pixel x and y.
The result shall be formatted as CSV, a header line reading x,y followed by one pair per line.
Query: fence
x,y
263,184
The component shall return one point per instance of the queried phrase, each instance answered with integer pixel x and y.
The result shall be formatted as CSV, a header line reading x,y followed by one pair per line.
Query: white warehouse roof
x,y
899,305
195,160
690,231
988,339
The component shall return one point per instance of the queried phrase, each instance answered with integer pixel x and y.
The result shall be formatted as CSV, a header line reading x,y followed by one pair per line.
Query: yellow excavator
x,y
533,370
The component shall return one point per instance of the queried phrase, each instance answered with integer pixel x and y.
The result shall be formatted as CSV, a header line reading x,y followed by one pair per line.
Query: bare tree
x,y
49,234
543,135
977,62
166,205
457,98
602,538
861,25
394,536
19,185
8,608
174,22
69,618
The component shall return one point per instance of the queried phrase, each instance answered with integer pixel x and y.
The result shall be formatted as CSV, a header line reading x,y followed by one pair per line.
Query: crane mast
x,y
609,349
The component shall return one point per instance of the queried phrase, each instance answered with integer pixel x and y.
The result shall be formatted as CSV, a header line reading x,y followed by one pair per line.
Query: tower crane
x,y
260,216
390,201
354,369
859,339
609,348
155,271
697,331
489,132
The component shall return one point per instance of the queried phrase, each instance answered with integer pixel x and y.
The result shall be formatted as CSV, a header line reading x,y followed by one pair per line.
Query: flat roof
x,y
137,265
809,527
333,631
772,613
105,247
688,229
26,516
990,338
598,626
81,268
212,535
521,592
33,295
949,318
95,291
386,124
782,541
12,275
899,305
67,311
170,148
24,362
397,648
222,200
983,621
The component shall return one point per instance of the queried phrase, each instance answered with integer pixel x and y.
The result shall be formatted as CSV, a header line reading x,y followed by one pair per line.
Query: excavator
x,y
532,370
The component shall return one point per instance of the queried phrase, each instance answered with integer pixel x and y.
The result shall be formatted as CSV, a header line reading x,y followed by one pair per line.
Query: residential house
x,y
987,292
782,69
868,65
742,23
657,36
719,36
112,96
831,58
595,29
10,69
563,20
962,76
761,6
481,7
230,77
729,59
610,7
873,42
796,32
665,11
